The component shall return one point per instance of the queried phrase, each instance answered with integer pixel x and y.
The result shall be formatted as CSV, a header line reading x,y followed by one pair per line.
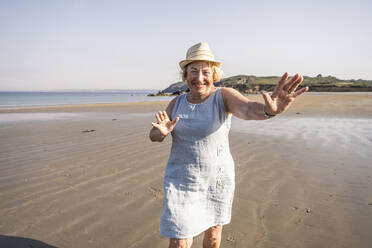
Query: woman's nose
x,y
200,77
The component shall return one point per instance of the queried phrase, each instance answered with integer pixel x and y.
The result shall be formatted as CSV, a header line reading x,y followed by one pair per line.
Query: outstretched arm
x,y
164,124
278,102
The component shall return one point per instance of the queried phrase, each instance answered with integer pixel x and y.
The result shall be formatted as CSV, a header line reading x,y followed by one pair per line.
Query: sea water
x,y
26,99
324,132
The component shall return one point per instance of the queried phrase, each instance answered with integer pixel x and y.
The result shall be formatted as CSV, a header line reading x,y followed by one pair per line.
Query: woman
x,y
199,179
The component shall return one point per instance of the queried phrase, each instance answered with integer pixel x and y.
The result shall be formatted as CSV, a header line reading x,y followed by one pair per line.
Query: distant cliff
x,y
251,84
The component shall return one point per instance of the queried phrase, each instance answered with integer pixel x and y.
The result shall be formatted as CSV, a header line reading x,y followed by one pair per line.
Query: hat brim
x,y
185,62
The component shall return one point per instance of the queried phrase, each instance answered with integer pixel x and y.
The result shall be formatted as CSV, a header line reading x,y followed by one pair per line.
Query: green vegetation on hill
x,y
253,84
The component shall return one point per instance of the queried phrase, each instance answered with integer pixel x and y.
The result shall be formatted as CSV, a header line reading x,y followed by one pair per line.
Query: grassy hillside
x,y
253,84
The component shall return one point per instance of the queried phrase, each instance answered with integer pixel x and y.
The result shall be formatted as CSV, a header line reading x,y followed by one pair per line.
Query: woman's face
x,y
199,78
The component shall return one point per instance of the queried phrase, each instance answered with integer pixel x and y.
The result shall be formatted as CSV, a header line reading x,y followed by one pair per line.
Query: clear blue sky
x,y
64,44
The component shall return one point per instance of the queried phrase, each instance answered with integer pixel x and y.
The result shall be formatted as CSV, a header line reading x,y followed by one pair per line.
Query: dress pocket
x,y
182,184
221,190
178,193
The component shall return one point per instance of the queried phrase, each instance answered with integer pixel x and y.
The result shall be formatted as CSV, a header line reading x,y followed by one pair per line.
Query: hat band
x,y
201,52
198,55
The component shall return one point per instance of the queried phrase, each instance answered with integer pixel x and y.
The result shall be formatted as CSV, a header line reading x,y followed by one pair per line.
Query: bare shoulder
x,y
170,106
227,93
232,99
230,94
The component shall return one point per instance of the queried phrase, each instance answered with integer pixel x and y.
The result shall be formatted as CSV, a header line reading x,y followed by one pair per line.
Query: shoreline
x,y
81,107
326,105
119,104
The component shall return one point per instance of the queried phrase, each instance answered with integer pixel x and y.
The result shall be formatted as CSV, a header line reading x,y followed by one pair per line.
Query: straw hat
x,y
200,51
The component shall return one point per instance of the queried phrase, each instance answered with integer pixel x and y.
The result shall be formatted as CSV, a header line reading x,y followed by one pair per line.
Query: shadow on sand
x,y
18,242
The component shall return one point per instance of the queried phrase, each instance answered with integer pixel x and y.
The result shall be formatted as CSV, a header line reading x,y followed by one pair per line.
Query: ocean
x,y
48,98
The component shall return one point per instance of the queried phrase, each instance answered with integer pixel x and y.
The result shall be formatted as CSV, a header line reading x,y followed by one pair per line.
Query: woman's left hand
x,y
283,95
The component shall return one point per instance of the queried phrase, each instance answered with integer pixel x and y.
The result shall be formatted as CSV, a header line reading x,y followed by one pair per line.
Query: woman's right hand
x,y
164,124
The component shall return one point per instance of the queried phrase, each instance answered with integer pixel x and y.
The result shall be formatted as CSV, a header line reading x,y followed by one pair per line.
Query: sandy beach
x,y
88,176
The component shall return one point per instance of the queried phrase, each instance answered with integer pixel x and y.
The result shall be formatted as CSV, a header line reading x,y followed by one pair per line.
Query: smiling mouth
x,y
198,84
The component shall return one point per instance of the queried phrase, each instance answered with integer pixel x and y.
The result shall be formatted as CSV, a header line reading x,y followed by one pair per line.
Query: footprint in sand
x,y
230,238
88,131
298,221
128,194
157,193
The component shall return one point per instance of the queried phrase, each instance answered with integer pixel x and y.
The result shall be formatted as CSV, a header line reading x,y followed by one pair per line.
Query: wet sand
x,y
88,176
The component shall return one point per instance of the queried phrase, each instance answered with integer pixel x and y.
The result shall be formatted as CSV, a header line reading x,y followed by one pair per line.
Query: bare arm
x,y
276,103
164,124
241,107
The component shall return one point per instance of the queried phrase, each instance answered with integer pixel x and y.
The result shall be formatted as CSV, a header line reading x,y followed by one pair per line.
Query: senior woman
x,y
199,179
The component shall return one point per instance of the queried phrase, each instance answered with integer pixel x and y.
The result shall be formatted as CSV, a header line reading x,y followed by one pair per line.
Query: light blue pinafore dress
x,y
199,179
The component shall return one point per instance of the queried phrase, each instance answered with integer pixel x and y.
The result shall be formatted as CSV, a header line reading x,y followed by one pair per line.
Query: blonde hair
x,y
217,73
